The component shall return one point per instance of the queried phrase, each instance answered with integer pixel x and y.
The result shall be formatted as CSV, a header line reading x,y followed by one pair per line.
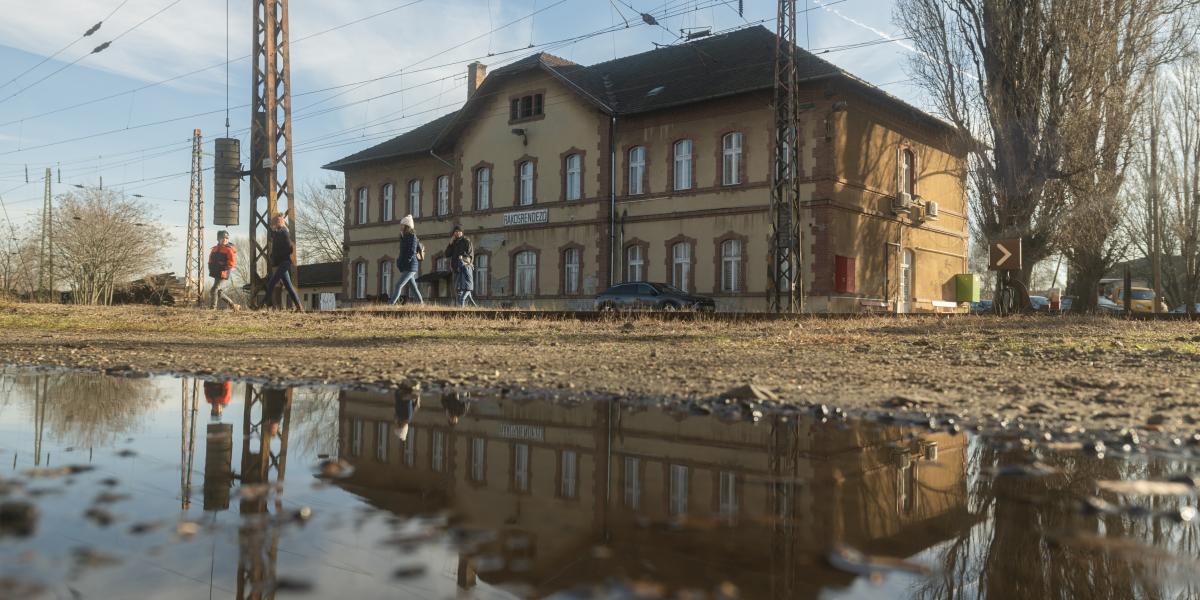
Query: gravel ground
x,y
1059,372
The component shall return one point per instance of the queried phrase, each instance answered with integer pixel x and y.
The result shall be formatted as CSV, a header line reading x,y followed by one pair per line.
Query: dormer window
x,y
525,107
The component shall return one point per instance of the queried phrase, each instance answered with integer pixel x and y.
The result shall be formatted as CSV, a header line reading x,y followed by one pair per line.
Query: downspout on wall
x,y
612,199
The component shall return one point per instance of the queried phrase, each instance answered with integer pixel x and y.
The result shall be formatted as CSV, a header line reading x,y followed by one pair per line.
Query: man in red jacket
x,y
221,260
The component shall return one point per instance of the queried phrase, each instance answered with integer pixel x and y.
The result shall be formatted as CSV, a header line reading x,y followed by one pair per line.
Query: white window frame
x,y
681,265
526,173
635,261
482,271
731,153
389,202
356,437
569,474
483,188
385,277
678,486
360,280
441,264
521,467
633,482
443,195
731,265
362,206
727,494
525,273
382,429
683,165
478,459
410,447
904,171
414,198
437,454
574,173
571,270
637,170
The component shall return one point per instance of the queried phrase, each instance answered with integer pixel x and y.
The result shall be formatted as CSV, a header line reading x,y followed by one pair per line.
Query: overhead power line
x,y
91,30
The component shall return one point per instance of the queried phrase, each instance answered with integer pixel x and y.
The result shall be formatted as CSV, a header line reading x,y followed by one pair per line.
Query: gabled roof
x,y
722,65
319,274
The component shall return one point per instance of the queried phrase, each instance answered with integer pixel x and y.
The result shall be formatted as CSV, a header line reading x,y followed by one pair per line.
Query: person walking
x,y
281,262
408,260
221,260
461,255
218,394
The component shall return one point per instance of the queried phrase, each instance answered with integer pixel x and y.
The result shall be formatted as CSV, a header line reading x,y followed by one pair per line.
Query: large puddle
x,y
119,487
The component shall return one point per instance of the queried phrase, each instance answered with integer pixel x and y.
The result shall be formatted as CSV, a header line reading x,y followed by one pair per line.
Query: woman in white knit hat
x,y
408,261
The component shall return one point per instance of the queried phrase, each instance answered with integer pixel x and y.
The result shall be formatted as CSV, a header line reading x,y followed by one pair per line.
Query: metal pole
x,y
193,264
46,249
785,256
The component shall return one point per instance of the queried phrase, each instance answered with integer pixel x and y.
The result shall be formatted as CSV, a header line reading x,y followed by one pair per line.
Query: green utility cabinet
x,y
967,287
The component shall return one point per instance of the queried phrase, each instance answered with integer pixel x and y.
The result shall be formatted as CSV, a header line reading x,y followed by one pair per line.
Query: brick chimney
x,y
476,71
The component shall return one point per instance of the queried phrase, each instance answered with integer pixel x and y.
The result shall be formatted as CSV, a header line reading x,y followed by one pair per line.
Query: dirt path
x,y
1060,371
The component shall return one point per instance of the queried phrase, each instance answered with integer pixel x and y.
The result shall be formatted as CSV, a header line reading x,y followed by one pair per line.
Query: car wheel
x,y
668,306
607,307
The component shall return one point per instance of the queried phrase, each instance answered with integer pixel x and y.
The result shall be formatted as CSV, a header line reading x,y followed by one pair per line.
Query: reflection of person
x,y
274,402
218,393
221,260
281,261
461,256
456,407
408,400
408,260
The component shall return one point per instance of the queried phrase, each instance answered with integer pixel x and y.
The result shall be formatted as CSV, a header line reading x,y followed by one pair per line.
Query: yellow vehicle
x,y
1142,300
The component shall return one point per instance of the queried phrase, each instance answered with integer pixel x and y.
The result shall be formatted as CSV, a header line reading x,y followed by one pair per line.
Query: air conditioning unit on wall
x,y
931,210
902,203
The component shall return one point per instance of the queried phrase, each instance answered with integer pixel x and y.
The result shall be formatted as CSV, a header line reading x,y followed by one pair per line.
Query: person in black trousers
x,y
281,262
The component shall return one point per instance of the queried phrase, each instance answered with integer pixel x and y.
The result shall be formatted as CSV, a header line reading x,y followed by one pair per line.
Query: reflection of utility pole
x,y
46,250
187,440
40,385
265,420
784,464
193,280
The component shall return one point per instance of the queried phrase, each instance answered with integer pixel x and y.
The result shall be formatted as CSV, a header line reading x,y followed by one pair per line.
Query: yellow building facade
x,y
657,167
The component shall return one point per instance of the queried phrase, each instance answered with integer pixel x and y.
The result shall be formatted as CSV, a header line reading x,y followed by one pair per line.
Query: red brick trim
x,y
562,165
719,264
719,180
491,192
562,269
671,163
645,246
512,270
670,261
517,180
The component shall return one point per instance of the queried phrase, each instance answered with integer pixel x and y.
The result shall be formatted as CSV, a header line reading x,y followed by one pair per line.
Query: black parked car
x,y
651,296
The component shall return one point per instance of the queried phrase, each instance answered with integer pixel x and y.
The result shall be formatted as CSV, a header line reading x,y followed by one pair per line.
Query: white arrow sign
x,y
1003,251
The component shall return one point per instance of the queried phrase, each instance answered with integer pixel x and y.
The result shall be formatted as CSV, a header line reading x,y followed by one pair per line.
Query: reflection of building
x,y
554,482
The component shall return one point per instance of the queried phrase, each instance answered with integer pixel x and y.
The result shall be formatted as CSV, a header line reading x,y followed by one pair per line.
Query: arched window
x,y
483,188
414,198
731,154
482,274
362,206
525,273
570,271
637,170
525,197
360,280
574,174
681,265
635,264
908,176
389,202
385,277
731,266
683,165
443,195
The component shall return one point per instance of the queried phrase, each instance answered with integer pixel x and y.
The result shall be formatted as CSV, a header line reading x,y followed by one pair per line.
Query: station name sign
x,y
514,431
527,217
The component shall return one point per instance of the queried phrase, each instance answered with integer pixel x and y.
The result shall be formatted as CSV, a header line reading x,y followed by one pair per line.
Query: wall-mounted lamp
x,y
521,132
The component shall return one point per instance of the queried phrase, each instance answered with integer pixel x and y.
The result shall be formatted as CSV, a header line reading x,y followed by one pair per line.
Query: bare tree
x,y
1181,210
320,222
102,239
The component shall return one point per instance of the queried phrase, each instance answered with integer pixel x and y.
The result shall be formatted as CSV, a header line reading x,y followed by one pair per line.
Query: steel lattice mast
x,y
46,249
785,292
270,136
193,280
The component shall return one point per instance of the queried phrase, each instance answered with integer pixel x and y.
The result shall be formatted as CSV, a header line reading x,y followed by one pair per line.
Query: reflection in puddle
x,y
440,494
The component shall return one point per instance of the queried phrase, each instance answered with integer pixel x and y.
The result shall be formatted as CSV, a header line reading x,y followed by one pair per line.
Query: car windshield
x,y
666,289
1140,294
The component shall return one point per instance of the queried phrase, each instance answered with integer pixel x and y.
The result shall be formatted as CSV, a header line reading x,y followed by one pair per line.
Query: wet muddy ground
x,y
164,487
1056,372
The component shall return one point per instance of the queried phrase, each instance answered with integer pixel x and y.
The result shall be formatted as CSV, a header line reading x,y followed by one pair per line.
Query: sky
x,y
362,72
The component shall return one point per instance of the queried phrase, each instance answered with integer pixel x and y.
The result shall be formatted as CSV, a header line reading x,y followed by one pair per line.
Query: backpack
x,y
218,263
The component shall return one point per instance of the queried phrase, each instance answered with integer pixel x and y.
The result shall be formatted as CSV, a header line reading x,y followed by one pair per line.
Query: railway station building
x,y
657,167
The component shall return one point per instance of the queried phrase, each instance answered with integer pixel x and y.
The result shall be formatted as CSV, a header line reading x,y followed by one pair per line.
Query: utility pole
x,y
785,293
193,280
270,137
46,250
1155,209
